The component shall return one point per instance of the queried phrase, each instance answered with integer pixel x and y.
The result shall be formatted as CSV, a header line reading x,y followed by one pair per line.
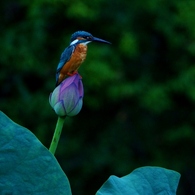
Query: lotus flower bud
x,y
67,97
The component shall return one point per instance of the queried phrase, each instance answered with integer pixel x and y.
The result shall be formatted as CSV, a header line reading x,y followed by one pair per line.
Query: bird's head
x,y
84,37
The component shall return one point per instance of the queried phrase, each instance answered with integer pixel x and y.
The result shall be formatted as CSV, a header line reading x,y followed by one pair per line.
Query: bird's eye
x,y
87,37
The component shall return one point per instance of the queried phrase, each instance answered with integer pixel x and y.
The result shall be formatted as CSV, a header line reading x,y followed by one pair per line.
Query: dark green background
x,y
139,92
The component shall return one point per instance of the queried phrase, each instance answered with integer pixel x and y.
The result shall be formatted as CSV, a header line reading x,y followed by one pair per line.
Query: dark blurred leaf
x,y
142,181
142,85
26,166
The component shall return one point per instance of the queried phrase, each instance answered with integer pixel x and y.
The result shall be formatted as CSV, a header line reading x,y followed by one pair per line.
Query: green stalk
x,y
56,136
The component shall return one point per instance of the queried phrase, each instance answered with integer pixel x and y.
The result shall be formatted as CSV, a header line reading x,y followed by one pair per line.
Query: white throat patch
x,y
76,40
73,42
85,43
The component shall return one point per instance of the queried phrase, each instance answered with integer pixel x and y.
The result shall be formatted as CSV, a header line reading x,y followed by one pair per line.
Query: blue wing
x,y
65,57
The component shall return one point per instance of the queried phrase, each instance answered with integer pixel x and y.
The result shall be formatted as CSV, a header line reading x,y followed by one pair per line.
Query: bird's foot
x,y
71,74
75,72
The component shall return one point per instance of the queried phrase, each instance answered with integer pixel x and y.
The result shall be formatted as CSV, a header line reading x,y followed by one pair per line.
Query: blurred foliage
x,y
139,92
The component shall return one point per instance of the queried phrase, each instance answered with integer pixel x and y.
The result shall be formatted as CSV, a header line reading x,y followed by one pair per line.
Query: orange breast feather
x,y
72,66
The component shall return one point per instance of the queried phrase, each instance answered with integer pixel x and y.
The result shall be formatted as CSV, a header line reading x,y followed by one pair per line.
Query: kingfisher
x,y
74,55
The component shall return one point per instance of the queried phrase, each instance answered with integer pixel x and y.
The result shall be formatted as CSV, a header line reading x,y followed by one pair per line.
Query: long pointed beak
x,y
100,40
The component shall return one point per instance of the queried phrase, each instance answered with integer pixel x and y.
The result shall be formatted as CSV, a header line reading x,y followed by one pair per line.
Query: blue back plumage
x,y
65,57
66,54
